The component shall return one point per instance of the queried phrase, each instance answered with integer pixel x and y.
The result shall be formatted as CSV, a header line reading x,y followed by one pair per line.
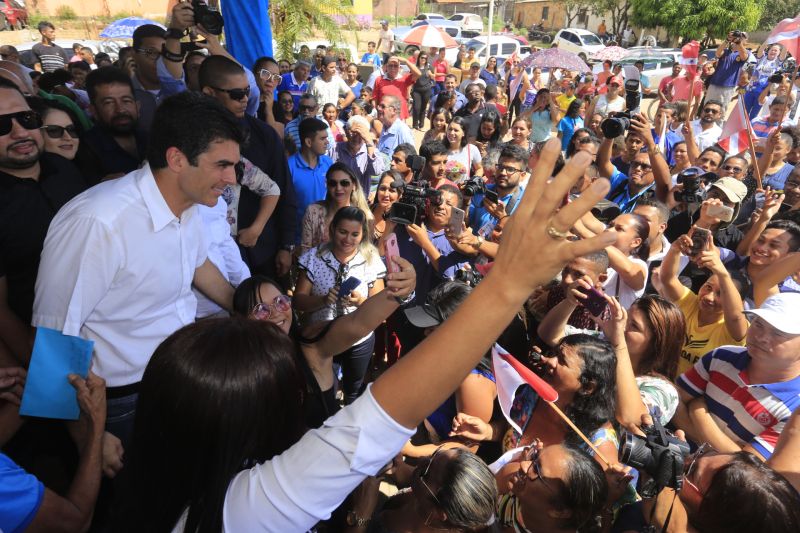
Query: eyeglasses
x,y
531,453
507,170
734,170
30,120
263,311
56,132
266,75
341,183
639,164
149,53
308,108
424,474
710,110
235,94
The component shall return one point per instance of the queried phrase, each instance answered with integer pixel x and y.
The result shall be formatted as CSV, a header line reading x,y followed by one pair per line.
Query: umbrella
x,y
648,55
555,58
426,35
611,53
124,28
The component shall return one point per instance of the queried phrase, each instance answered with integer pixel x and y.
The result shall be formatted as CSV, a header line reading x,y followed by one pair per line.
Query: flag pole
x,y
750,134
579,432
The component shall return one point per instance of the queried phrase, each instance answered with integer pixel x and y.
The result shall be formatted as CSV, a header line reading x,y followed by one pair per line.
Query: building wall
x,y
529,13
89,8
385,9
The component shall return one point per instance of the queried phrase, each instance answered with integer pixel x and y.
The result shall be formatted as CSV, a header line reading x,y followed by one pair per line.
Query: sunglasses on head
x,y
340,183
266,75
30,120
235,94
56,132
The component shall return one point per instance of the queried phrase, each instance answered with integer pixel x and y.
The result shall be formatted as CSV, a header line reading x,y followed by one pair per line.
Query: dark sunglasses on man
x,y
30,120
235,94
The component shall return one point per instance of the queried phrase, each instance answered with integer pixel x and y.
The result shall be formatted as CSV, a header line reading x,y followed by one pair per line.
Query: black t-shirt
x,y
51,57
27,207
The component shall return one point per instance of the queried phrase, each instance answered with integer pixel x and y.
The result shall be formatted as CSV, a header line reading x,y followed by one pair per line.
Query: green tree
x,y
698,19
778,10
617,10
296,20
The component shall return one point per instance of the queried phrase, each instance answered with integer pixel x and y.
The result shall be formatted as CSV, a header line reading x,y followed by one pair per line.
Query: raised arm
x,y
765,282
772,204
528,257
673,289
661,172
732,307
604,158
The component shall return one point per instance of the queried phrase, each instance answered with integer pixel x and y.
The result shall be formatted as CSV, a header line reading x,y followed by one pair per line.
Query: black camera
x,y
468,276
410,208
210,19
660,454
633,97
694,180
616,124
776,78
738,34
474,185
605,211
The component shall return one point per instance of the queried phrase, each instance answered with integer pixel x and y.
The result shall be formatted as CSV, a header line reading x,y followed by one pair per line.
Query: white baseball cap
x,y
780,311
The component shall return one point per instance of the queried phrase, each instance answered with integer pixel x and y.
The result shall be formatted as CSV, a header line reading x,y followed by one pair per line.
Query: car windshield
x,y
590,39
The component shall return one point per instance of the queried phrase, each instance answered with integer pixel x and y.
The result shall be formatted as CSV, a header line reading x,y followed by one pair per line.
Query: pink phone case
x,y
391,251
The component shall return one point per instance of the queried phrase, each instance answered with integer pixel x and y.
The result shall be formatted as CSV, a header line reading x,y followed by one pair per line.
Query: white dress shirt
x,y
117,268
222,251
705,138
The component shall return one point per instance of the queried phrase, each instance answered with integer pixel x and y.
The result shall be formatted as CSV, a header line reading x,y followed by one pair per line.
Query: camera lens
x,y
614,127
635,453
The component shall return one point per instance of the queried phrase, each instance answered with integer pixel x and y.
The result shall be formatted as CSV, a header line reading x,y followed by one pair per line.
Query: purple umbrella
x,y
555,58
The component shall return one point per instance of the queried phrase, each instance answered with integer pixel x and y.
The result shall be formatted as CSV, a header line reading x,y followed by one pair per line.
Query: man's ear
x,y
208,91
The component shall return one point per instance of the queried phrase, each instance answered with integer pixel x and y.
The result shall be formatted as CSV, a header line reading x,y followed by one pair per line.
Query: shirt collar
x,y
160,213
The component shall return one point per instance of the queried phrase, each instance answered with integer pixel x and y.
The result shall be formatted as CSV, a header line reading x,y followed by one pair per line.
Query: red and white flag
x,y
735,136
787,34
689,54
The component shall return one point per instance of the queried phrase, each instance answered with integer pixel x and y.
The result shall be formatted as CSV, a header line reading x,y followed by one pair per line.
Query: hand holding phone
x,y
721,212
700,239
348,286
392,251
456,221
595,301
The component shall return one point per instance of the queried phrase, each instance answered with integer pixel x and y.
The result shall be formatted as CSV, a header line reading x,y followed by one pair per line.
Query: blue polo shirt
x,y
479,216
21,495
288,83
622,195
393,136
309,184
375,59
727,71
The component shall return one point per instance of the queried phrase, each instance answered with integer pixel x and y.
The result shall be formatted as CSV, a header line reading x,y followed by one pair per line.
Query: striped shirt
x,y
763,127
748,413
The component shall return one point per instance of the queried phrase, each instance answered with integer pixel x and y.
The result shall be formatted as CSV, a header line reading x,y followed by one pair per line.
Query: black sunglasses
x,y
341,183
30,120
235,94
56,132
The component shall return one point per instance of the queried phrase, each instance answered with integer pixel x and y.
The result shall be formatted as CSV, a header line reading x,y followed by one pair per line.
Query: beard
x,y
21,162
116,127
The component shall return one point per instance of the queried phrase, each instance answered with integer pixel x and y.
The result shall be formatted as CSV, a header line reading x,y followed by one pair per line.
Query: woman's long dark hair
x,y
460,121
571,146
277,109
217,397
573,111
442,98
491,115
594,404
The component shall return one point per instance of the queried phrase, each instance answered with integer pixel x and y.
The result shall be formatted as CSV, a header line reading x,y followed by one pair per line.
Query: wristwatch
x,y
353,520
174,33
477,244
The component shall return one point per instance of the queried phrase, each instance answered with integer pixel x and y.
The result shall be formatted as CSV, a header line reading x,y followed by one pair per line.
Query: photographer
x,y
731,57
509,170
649,173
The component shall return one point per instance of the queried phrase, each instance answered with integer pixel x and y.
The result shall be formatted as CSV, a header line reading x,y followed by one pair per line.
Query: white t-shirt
x,y
606,107
706,138
387,41
616,286
328,92
468,156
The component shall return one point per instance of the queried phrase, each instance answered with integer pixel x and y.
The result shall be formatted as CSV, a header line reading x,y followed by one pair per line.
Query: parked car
x,y
581,42
13,15
468,21
501,47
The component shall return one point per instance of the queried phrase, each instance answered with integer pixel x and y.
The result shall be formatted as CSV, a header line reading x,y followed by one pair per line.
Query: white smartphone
x,y
392,250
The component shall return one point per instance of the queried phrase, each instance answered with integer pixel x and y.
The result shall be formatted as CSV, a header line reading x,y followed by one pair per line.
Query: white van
x,y
502,48
468,21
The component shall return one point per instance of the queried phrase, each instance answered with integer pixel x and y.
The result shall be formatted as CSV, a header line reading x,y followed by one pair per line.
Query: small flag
x,y
689,54
735,136
787,34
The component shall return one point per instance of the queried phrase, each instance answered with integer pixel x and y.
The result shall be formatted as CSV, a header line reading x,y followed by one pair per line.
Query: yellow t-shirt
x,y
700,340
563,102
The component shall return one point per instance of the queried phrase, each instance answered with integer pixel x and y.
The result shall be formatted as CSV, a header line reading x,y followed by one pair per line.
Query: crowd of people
x,y
299,281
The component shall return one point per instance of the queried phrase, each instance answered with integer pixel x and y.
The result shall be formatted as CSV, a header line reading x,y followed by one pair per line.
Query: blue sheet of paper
x,y
48,393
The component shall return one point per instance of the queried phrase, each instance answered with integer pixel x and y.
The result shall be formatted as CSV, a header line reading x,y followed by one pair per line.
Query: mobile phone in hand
x,y
348,286
595,301
700,238
456,220
392,251
491,196
722,212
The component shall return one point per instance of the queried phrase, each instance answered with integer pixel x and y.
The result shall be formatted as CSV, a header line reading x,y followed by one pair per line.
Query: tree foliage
x,y
778,10
296,20
617,10
698,19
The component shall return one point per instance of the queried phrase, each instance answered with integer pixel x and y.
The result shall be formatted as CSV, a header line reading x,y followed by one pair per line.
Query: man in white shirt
x,y
329,87
386,41
706,130
120,259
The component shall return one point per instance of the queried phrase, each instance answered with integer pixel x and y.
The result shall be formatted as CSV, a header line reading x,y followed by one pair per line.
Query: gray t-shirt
x,y
51,57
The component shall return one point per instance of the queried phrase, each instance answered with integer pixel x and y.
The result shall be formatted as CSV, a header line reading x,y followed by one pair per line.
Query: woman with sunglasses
x,y
580,137
343,190
60,130
283,108
268,76
453,490
323,270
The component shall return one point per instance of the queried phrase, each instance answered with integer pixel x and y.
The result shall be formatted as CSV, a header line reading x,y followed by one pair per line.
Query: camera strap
x,y
513,201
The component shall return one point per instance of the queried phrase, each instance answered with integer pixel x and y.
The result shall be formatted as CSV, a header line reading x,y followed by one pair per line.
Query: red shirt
x,y
440,69
397,87
662,87
681,87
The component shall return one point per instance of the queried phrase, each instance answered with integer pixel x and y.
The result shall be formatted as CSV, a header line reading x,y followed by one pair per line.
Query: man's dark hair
x,y
310,126
490,92
599,259
779,100
106,76
371,43
145,31
102,56
661,207
455,190
517,153
190,122
669,106
327,60
451,76
432,148
44,24
215,69
5,83
80,65
717,150
406,148
124,51
789,227
713,101
794,132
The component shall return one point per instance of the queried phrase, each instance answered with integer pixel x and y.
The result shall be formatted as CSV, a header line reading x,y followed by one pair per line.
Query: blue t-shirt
x,y
309,184
778,179
620,194
21,495
751,98
479,216
567,128
488,77
375,59
728,68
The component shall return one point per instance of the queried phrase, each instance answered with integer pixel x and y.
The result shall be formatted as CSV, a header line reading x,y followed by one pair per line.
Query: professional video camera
x,y
410,208
660,454
618,122
786,70
694,181
738,35
210,19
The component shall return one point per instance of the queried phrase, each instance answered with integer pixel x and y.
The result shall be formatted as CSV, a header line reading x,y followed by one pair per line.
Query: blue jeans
x,y
119,420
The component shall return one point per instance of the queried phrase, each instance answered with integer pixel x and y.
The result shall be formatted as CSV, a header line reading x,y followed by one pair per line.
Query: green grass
x,y
66,13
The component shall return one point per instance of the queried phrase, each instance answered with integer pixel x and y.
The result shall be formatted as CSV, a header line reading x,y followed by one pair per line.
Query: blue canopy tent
x,y
248,31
